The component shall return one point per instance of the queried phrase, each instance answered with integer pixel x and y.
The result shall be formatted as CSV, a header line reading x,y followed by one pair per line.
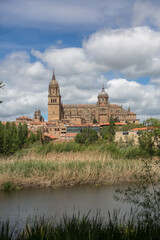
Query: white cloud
x,y
25,86
135,51
80,72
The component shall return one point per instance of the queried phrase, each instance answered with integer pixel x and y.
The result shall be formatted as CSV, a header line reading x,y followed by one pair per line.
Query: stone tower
x,y
54,101
103,107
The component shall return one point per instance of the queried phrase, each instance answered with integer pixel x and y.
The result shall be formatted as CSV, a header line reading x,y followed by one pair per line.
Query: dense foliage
x,y
108,132
87,136
13,138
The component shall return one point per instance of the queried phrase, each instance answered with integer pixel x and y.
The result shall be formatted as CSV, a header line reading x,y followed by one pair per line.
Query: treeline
x,y
13,138
148,140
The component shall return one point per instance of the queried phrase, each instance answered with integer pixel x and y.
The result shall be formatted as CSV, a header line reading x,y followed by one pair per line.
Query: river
x,y
18,206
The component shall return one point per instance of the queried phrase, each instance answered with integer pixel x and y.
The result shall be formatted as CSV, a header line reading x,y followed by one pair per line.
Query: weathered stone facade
x,y
80,114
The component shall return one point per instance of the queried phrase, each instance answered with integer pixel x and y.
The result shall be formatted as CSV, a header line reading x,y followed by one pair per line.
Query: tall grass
x,y
60,147
128,152
68,164
80,228
67,169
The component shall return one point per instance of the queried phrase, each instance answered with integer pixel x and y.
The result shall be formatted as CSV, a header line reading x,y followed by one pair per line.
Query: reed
x,y
80,228
67,169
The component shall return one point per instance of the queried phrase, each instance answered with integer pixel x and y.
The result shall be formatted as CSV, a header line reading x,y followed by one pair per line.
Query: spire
x,y
53,76
103,87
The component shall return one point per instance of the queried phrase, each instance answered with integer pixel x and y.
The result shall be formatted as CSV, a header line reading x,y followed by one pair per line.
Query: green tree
x,y
87,135
32,138
146,142
94,121
20,135
7,142
25,133
152,122
104,132
2,128
14,138
108,132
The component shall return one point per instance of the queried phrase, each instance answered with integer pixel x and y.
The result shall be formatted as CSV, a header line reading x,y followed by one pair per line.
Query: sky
x,y
88,43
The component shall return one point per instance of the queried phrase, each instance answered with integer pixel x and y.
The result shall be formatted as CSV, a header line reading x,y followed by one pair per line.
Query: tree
x,y
104,132
94,121
1,86
6,142
108,132
87,135
146,142
152,122
14,138
145,193
2,128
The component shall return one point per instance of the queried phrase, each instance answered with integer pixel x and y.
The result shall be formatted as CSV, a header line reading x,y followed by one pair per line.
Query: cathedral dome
x,y
103,93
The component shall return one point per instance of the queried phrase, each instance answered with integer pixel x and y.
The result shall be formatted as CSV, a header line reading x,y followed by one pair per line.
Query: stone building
x,y
100,112
37,116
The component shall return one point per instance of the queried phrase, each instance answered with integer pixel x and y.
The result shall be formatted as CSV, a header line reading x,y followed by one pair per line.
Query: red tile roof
x,y
24,118
144,128
50,136
70,134
117,123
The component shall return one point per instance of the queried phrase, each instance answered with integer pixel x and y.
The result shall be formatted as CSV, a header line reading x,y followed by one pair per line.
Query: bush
x,y
9,186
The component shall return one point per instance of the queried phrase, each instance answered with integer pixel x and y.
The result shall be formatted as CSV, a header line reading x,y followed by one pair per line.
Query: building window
x,y
125,133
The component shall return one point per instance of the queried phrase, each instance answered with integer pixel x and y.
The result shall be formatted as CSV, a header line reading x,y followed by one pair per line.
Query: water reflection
x,y
18,206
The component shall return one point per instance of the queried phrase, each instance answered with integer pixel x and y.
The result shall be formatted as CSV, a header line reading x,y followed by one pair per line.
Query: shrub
x,y
9,186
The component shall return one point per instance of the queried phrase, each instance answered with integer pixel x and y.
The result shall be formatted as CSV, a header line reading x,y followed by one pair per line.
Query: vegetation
x,y
80,228
59,169
13,138
129,126
87,136
108,132
145,193
89,160
9,186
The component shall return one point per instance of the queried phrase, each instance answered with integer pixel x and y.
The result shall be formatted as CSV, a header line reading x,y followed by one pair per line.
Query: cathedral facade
x,y
101,112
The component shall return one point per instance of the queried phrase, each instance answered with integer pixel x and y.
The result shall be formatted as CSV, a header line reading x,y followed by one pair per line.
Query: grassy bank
x,y
69,164
67,169
80,228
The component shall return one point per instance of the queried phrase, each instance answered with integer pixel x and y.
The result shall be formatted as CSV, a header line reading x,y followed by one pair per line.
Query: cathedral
x,y
100,113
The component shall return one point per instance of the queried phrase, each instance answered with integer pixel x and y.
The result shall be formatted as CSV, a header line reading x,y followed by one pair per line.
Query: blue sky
x,y
89,43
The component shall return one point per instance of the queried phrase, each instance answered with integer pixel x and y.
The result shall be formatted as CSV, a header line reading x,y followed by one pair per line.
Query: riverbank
x,y
54,170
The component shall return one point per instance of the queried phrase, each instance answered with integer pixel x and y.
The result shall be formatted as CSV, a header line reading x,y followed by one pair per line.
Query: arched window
x,y
51,100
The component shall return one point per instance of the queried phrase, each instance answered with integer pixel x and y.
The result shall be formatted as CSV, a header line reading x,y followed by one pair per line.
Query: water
x,y
18,206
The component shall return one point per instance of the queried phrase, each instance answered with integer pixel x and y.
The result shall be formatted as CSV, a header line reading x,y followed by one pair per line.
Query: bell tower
x,y
103,106
54,100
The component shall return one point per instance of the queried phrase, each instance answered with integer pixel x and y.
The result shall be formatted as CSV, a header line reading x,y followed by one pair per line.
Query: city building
x,y
100,113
